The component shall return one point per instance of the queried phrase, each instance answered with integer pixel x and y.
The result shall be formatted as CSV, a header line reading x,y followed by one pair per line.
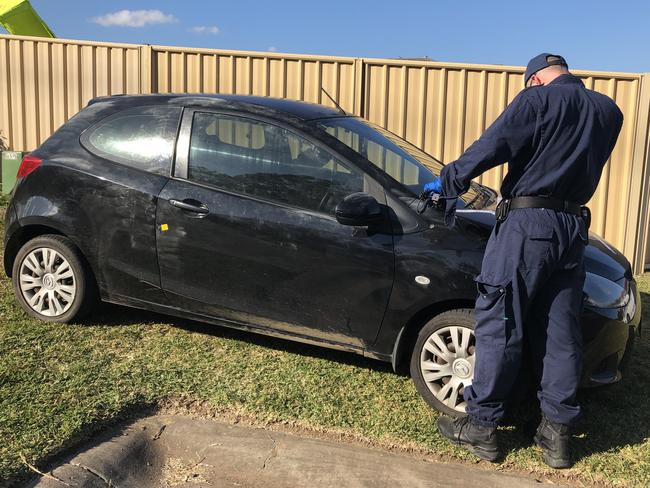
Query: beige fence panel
x,y
443,108
182,70
43,82
440,107
640,202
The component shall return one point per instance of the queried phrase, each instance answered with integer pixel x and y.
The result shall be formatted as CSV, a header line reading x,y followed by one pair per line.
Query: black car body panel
x,y
288,269
110,220
264,266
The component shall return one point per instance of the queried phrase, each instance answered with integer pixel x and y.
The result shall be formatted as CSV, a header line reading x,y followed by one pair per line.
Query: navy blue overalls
x,y
556,139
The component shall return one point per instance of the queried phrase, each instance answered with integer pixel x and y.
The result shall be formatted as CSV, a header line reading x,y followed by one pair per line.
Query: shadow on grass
x,y
115,315
85,436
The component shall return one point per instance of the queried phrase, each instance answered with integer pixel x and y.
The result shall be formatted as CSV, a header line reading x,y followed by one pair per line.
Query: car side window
x,y
141,137
266,161
382,153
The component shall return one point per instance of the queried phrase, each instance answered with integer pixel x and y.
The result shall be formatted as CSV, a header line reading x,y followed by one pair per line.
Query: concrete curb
x,y
168,451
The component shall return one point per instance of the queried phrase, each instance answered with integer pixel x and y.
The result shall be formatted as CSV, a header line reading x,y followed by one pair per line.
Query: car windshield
x,y
403,161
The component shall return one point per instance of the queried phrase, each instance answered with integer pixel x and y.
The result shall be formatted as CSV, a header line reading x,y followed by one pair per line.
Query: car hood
x,y
601,257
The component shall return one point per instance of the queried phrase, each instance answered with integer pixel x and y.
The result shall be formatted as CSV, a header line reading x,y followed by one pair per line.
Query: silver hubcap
x,y
47,282
447,364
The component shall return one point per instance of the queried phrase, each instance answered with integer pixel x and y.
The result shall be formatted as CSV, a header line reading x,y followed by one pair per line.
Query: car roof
x,y
250,103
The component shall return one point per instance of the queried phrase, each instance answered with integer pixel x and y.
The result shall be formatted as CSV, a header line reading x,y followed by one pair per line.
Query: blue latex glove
x,y
434,186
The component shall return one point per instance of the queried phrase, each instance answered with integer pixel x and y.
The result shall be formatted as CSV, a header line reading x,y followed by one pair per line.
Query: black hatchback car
x,y
280,217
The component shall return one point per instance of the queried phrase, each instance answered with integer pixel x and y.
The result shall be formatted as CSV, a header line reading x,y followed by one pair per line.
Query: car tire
x,y
52,281
441,378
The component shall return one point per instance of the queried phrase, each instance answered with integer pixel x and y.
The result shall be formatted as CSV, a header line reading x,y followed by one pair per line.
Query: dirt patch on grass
x,y
179,472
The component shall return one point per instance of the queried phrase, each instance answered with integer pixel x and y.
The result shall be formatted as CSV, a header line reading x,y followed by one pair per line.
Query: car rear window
x,y
141,137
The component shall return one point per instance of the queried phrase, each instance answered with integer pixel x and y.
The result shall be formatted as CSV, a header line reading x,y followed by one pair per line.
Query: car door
x,y
247,232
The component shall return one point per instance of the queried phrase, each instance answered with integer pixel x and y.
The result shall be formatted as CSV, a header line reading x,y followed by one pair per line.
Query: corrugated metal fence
x,y
440,107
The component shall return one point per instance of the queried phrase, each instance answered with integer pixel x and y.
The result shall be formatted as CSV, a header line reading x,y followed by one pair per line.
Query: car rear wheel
x,y
442,361
51,281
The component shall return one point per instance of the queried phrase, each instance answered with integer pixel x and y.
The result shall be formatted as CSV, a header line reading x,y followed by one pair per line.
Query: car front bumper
x,y
608,335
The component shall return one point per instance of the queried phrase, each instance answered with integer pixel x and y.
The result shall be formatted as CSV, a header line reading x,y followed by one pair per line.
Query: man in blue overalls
x,y
556,137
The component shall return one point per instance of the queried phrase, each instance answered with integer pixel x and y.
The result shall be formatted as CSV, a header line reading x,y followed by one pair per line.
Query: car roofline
x,y
297,109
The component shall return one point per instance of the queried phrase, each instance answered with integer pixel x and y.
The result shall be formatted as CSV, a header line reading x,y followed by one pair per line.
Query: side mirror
x,y
358,209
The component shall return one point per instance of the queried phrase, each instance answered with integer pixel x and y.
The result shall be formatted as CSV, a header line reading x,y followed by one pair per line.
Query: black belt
x,y
550,203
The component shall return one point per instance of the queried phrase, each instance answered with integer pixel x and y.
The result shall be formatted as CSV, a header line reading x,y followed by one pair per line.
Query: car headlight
x,y
603,293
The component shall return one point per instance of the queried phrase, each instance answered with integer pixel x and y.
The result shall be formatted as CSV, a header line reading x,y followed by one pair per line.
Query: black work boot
x,y
553,438
481,441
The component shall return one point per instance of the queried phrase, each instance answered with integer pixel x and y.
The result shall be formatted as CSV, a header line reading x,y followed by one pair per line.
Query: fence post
x,y
636,238
146,75
359,87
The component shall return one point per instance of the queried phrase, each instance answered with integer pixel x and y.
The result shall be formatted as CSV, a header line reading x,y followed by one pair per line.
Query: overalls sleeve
x,y
511,134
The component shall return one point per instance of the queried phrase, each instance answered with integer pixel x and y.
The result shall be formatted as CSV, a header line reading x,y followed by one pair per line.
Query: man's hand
x,y
433,187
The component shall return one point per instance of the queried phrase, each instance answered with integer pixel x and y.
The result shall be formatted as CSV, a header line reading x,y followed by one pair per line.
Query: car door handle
x,y
190,205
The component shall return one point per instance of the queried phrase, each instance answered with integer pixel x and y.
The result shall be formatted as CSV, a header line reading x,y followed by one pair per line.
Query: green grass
x,y
61,383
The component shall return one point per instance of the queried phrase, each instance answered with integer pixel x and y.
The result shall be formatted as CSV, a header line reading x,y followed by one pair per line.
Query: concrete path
x,y
169,451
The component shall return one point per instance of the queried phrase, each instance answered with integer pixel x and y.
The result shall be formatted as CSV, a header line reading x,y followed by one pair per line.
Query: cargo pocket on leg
x,y
492,316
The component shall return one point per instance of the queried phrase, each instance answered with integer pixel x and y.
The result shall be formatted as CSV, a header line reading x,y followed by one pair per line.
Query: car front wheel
x,y
442,361
51,281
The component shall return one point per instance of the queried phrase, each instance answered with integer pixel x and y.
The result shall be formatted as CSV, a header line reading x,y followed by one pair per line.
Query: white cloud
x,y
205,29
134,18
272,49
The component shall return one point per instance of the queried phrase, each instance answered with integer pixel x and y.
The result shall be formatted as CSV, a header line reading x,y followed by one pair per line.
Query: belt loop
x,y
585,213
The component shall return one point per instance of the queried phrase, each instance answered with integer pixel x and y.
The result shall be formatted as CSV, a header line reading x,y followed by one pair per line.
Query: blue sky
x,y
602,35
